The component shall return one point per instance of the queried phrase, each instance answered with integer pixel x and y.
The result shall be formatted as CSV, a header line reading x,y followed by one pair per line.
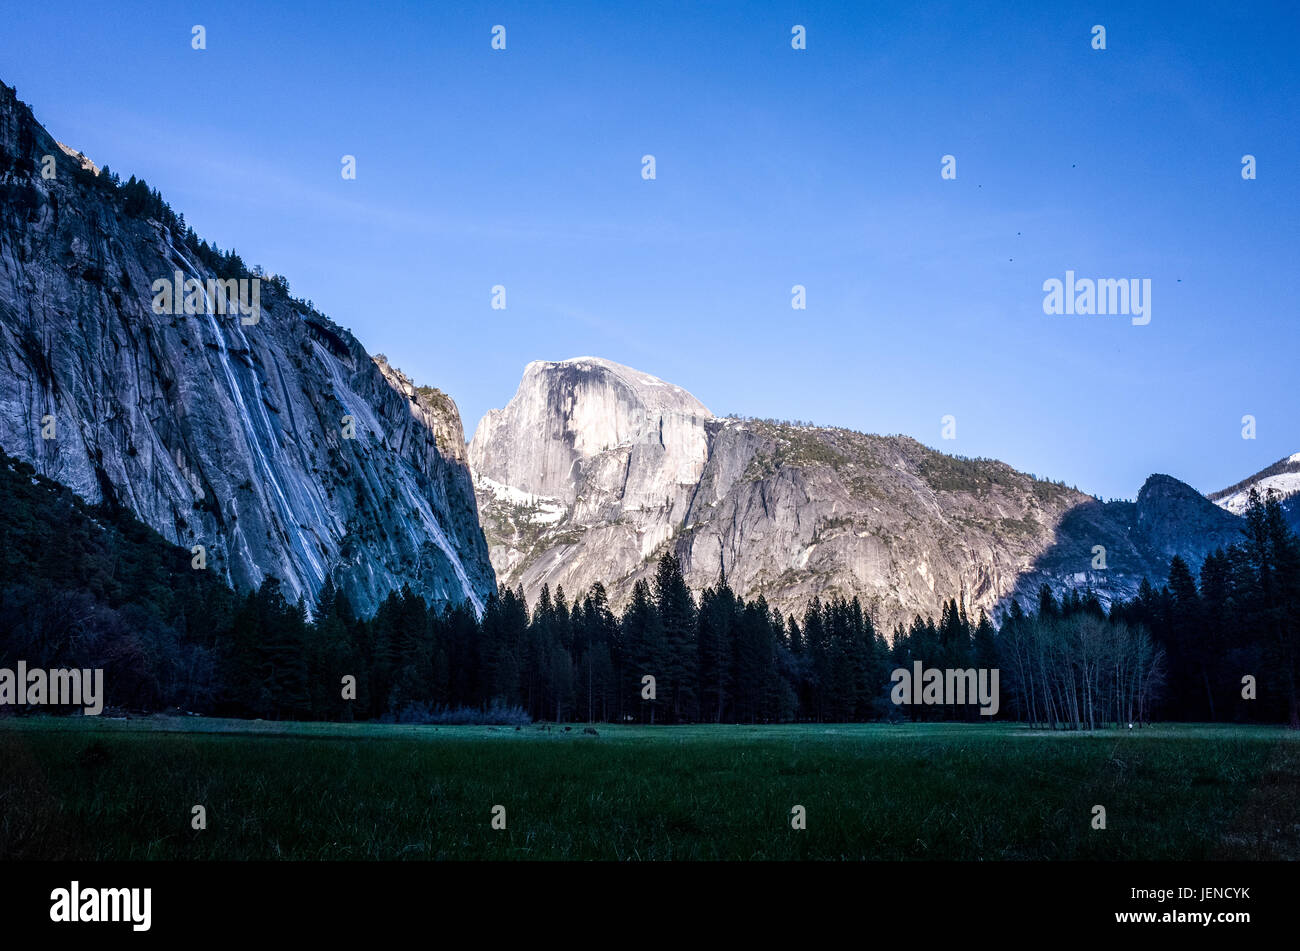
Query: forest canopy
x,y
90,587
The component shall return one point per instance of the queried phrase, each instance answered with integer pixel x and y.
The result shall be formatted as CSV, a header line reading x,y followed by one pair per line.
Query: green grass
x,y
84,788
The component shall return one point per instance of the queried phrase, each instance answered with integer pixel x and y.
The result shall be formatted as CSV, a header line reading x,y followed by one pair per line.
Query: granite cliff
x,y
225,430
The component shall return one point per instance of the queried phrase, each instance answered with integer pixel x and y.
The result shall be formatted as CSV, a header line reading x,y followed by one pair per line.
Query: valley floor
x,y
94,788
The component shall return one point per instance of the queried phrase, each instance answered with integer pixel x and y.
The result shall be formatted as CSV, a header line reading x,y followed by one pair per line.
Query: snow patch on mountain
x,y
1283,478
1284,485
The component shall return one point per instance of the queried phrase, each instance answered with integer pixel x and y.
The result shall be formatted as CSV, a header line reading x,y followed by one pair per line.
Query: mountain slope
x,y
1282,478
83,587
214,431
793,512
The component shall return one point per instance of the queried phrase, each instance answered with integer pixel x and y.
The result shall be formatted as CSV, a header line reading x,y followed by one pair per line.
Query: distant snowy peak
x,y
1282,477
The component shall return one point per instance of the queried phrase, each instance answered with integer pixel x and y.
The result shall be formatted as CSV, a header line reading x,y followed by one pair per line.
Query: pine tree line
x,y
89,586
1180,652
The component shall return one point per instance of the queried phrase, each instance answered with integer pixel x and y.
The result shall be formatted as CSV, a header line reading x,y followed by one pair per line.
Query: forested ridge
x,y
86,586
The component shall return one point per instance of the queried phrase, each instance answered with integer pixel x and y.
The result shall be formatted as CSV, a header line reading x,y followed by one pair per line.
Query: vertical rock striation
x,y
214,431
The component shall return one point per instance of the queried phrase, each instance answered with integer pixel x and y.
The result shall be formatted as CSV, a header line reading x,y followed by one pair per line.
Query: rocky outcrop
x,y
593,470
1172,518
587,448
213,429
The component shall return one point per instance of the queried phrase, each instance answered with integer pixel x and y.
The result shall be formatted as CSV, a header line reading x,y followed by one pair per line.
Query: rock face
x,y
590,448
1174,519
212,431
593,470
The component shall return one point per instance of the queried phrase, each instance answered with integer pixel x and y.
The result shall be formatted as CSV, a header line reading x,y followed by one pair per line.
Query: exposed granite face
x,y
588,454
593,470
210,430
566,414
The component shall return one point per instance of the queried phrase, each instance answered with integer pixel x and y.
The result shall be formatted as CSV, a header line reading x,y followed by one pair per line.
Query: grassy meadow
x,y
91,788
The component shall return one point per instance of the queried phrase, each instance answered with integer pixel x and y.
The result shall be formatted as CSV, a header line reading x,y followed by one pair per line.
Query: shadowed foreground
x,y
81,788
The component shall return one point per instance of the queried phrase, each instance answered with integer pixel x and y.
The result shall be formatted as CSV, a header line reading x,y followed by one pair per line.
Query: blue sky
x,y
774,167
